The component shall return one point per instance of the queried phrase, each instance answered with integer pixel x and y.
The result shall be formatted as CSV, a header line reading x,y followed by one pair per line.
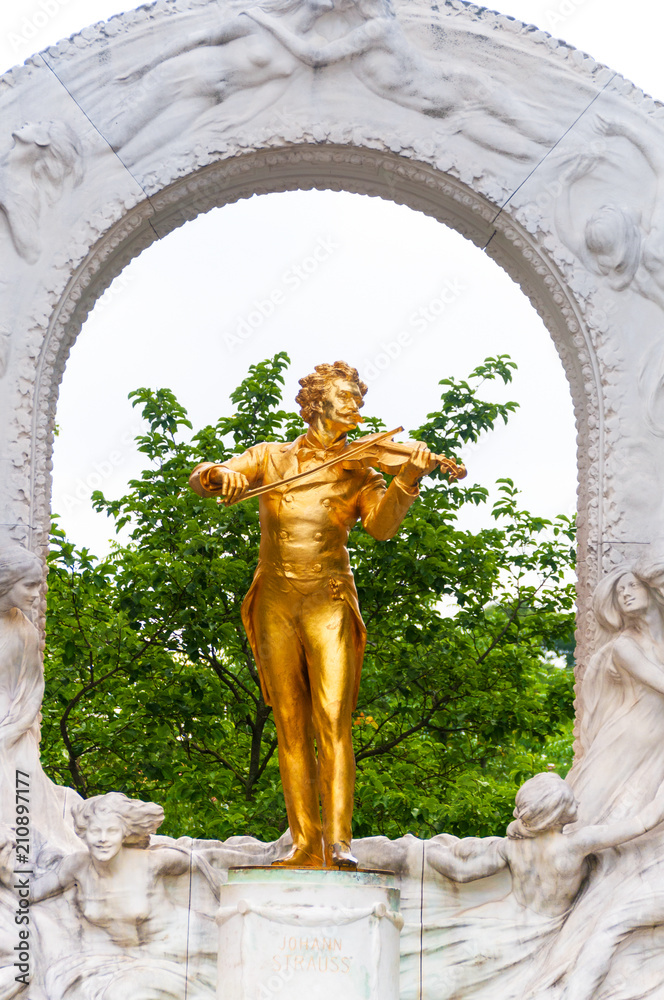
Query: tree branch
x,y
217,756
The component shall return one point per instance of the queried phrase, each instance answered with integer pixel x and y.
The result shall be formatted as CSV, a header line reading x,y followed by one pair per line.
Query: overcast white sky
x,y
171,318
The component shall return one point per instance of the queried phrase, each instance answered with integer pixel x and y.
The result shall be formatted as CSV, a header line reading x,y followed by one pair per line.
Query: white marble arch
x,y
548,161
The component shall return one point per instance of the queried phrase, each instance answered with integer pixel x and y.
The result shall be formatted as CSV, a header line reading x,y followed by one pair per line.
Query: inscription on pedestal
x,y
318,954
308,933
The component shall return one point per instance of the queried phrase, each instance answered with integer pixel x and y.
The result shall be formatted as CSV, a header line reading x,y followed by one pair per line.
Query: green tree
x,y
152,688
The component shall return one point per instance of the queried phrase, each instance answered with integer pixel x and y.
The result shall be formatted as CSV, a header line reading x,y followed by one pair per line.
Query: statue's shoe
x,y
342,857
297,857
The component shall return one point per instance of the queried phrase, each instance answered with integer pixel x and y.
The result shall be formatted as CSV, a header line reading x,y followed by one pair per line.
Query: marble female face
x,y
633,597
104,836
23,594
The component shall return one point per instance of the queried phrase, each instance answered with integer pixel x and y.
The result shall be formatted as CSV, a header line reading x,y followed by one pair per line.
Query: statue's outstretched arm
x,y
652,151
179,861
55,882
467,859
359,40
649,145
237,27
597,838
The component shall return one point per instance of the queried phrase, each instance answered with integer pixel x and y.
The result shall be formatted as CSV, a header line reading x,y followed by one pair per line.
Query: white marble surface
x,y
308,933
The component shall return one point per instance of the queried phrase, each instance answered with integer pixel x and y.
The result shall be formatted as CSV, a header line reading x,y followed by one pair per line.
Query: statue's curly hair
x,y
314,385
542,803
138,819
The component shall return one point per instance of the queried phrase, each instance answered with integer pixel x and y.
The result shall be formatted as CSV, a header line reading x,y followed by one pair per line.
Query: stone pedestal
x,y
302,934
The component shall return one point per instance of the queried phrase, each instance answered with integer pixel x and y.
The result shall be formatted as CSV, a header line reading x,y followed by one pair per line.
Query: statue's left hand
x,y
420,462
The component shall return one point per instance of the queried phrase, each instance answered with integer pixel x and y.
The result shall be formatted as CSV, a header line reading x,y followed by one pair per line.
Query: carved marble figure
x,y
261,48
301,613
622,241
621,702
118,886
480,950
196,74
42,157
390,65
611,945
628,909
21,693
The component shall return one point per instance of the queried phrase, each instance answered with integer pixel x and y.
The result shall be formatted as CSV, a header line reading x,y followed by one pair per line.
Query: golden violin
x,y
389,456
376,450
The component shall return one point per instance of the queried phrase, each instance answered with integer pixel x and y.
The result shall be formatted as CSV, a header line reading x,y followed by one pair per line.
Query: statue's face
x,y
319,7
632,595
104,837
340,405
23,594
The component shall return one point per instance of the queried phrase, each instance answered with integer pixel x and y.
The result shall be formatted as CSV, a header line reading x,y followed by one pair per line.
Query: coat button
x,y
325,502
283,534
288,498
317,567
318,536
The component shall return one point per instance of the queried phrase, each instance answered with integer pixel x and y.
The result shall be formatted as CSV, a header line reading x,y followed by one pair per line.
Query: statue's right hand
x,y
233,484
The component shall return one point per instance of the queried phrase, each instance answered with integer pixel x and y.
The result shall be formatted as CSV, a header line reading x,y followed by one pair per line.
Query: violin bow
x,y
345,456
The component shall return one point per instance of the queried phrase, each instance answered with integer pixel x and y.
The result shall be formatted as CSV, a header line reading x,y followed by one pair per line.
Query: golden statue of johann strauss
x,y
301,613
